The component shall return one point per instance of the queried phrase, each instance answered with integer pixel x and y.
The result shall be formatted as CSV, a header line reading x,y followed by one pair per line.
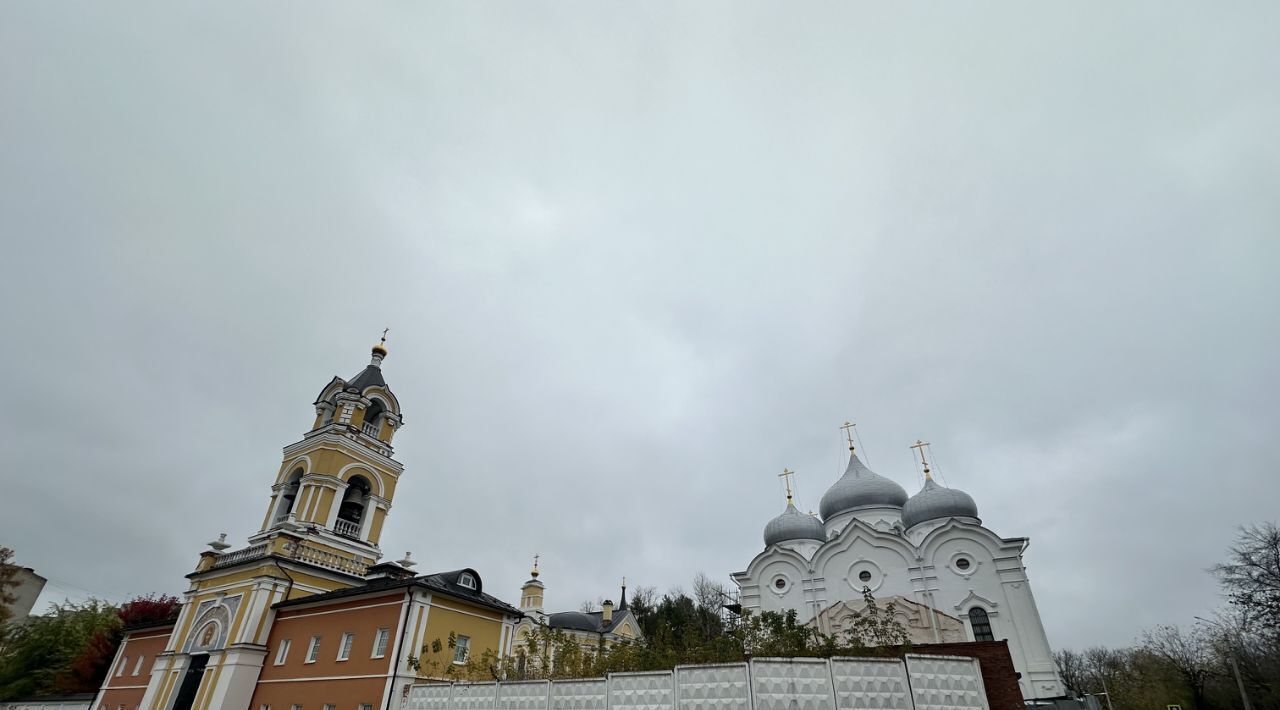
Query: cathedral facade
x,y
951,578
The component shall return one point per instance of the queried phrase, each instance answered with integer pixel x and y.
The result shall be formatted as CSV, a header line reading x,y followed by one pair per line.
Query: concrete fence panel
x,y
654,690
474,696
524,695
792,684
585,694
725,686
430,697
870,684
946,683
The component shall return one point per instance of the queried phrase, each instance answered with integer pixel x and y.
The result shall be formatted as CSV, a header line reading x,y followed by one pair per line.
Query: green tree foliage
x,y
70,649
40,651
8,580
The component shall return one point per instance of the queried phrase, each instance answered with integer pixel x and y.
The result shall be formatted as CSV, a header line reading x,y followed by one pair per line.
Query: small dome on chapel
x,y
858,487
792,525
935,502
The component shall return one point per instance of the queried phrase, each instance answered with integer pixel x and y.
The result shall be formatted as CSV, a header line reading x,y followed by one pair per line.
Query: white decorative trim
x,y
301,615
328,677
974,563
863,564
973,600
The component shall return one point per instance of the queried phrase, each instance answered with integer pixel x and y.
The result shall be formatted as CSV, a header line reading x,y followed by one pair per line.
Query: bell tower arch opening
x,y
354,508
373,416
287,498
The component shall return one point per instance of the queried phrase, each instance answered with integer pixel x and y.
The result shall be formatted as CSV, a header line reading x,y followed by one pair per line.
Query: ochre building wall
x,y
123,687
358,680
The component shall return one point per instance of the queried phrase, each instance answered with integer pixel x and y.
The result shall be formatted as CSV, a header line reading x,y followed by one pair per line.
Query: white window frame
x,y
461,646
137,667
381,638
365,706
344,646
124,663
313,650
330,706
468,580
282,652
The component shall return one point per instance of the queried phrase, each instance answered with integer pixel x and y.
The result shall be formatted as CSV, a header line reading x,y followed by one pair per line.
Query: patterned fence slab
x,y
430,697
475,696
588,694
792,684
524,695
920,683
870,684
946,683
715,687
642,691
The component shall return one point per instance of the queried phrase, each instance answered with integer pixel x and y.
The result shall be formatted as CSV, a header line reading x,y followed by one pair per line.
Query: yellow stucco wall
x,y
482,626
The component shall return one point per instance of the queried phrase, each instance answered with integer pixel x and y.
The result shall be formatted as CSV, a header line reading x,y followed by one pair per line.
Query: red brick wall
x,y
998,674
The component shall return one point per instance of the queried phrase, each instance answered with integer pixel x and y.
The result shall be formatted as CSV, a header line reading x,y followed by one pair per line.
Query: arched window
x,y
288,496
355,503
981,624
373,418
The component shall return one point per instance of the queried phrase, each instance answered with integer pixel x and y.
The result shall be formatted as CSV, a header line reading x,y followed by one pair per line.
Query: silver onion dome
x,y
858,487
792,525
934,502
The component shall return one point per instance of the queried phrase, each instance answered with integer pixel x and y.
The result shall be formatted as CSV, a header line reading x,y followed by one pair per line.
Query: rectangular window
x,y
264,706
313,650
282,653
330,706
365,706
380,642
124,661
137,667
344,648
296,707
460,649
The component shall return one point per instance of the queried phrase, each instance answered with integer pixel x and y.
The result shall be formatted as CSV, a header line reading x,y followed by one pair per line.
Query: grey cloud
x,y
635,261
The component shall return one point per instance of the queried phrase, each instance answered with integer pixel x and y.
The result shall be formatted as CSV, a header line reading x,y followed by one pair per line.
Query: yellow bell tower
x,y
329,500
335,485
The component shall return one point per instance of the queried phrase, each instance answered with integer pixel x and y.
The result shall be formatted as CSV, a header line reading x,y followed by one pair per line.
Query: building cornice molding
x,y
321,439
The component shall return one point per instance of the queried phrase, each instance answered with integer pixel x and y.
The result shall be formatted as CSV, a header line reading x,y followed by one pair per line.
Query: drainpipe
x,y
404,630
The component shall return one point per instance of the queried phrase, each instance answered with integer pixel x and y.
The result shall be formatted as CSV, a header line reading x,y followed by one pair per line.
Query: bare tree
x,y
1251,577
1073,669
1190,654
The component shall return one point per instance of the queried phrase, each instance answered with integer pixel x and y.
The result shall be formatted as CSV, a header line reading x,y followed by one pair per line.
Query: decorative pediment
x,y
975,599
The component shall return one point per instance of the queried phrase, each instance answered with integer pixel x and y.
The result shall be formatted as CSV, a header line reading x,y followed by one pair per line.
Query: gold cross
x,y
786,480
848,432
919,445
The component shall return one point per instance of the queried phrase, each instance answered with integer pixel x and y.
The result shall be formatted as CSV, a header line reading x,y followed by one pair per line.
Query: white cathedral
x,y
950,578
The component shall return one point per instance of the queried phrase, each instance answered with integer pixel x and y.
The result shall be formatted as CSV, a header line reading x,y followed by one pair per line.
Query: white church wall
x,y
957,566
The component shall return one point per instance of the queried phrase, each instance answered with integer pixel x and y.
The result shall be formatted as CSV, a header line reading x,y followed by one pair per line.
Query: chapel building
x,y
950,578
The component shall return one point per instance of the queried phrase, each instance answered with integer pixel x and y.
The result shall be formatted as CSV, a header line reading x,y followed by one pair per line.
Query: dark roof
x,y
370,376
446,582
592,621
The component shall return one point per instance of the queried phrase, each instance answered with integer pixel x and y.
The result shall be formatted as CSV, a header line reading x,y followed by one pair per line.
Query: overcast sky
x,y
636,258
